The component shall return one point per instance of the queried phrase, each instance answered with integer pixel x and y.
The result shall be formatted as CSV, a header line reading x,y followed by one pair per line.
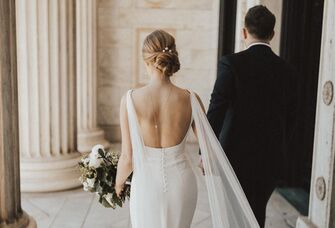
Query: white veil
x,y
228,204
227,201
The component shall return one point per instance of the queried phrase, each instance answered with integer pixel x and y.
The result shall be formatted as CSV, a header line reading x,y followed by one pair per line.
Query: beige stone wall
x,y
122,25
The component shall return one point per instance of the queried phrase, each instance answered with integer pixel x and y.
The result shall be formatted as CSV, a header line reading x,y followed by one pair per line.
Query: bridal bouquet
x,y
98,174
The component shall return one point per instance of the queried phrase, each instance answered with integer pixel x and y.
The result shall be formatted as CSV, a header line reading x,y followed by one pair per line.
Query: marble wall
x,y
122,26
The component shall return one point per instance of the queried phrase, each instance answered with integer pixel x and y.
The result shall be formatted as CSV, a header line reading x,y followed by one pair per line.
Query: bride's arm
x,y
125,165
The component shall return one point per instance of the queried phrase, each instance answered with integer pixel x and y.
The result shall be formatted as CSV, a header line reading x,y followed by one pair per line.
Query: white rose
x,y
95,162
86,160
85,186
94,157
95,149
90,182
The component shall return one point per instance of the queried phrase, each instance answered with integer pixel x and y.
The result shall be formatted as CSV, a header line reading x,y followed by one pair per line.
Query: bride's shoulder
x,y
199,99
182,94
125,95
131,91
190,93
138,90
135,94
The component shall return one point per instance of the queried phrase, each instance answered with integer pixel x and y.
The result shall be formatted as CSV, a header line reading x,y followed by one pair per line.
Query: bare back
x,y
170,106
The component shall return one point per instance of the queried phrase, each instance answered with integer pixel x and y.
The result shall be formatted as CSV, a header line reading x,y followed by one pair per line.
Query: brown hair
x,y
159,48
260,22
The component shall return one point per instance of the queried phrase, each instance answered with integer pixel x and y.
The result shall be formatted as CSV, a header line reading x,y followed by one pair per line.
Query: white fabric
x,y
259,43
228,203
164,191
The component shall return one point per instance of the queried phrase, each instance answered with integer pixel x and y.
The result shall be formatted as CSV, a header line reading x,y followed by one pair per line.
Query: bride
x,y
155,122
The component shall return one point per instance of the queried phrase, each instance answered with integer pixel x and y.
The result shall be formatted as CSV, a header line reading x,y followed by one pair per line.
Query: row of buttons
x,y
164,171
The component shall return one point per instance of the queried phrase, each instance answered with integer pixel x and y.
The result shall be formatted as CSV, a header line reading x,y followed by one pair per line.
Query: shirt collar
x,y
259,43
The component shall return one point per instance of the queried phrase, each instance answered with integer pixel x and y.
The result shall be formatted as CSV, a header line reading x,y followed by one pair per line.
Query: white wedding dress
x,y
164,186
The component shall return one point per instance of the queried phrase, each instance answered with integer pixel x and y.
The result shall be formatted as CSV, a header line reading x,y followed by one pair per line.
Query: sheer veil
x,y
228,204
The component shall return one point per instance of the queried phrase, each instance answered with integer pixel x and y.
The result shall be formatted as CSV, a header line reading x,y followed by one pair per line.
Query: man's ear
x,y
245,33
272,35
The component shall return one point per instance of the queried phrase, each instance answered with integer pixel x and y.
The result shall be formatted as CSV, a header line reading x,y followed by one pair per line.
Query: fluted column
x,y
11,213
86,32
47,104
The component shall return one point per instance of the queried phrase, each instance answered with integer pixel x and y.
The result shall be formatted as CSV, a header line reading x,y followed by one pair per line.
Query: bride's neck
x,y
159,80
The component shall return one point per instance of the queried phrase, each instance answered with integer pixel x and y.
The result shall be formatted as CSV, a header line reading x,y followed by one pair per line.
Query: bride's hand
x,y
201,166
119,189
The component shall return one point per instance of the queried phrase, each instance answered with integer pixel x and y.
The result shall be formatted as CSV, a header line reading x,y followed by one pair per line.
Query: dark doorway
x,y
300,46
227,22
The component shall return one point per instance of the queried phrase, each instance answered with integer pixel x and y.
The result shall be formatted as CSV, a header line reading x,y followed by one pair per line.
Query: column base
x,y
50,174
24,221
304,222
87,139
31,221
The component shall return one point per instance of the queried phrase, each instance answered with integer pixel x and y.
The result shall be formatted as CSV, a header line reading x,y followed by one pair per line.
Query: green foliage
x,y
101,180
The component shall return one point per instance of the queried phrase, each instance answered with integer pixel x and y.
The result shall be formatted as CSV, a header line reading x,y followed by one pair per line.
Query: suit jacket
x,y
253,113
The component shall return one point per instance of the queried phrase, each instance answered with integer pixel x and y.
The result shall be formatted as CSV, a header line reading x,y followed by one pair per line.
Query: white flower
x,y
94,157
86,160
85,186
90,182
95,162
96,148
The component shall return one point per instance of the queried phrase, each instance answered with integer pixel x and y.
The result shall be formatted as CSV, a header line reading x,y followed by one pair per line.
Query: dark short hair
x,y
260,22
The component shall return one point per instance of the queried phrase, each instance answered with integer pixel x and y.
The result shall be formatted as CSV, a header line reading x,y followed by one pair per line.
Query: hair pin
x,y
167,49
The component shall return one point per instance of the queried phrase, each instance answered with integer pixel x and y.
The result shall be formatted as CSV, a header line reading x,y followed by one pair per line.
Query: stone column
x,y
47,104
11,213
322,194
86,32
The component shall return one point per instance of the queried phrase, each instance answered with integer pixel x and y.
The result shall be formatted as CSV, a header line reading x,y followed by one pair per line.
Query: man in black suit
x,y
252,110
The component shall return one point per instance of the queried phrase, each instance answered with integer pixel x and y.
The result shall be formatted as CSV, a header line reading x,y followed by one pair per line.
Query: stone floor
x,y
76,208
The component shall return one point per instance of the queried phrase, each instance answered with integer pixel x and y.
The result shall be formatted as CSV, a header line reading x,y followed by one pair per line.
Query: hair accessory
x,y
167,49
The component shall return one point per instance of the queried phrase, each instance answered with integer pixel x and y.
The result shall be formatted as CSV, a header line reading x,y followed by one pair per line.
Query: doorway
x,y
300,46
227,24
300,43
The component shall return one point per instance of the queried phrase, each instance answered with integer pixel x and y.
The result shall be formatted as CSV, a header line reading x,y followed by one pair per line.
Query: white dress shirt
x,y
259,43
